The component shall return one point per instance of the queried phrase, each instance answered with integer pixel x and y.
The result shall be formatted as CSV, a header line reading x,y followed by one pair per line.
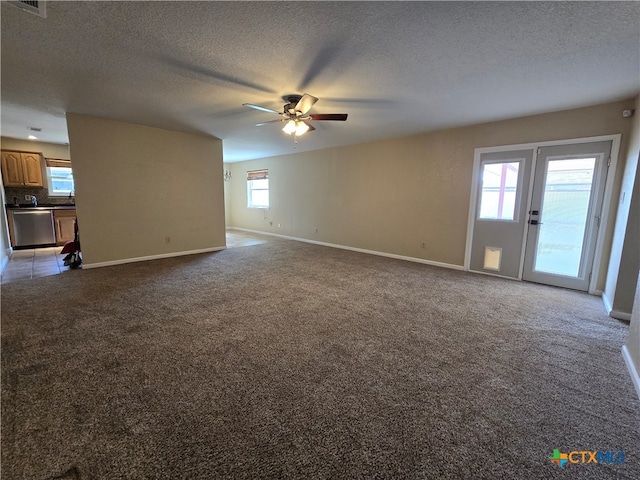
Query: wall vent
x,y
37,7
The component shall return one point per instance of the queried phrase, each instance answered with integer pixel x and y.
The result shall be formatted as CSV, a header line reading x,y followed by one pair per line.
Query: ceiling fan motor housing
x,y
290,106
292,99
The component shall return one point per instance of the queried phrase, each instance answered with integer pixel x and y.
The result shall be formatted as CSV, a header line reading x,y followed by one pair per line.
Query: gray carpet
x,y
290,360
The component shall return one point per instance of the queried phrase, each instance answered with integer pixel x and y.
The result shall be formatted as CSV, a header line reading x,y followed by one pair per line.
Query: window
x,y
258,189
498,197
59,177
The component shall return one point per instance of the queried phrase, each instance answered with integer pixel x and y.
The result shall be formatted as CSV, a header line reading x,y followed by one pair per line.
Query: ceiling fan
x,y
295,114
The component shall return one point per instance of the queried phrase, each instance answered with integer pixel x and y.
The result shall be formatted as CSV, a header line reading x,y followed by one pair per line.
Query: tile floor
x,y
42,262
34,262
238,238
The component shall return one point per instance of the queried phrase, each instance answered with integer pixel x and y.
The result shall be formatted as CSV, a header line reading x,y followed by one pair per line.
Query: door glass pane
x,y
565,204
499,189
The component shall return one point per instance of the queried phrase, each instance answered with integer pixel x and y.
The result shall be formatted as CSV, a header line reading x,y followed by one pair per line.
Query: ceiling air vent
x,y
37,7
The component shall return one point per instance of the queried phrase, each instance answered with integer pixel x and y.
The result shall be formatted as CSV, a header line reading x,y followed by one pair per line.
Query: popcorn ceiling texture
x,y
396,68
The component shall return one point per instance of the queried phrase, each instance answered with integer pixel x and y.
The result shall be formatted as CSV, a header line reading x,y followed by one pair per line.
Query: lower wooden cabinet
x,y
63,220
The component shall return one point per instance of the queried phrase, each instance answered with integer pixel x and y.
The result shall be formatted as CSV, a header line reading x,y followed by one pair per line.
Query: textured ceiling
x,y
395,67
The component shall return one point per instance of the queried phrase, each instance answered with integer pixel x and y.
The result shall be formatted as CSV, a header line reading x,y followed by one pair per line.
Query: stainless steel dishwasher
x,y
33,227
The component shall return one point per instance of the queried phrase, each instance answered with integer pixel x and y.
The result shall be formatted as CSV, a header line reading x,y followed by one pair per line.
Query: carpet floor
x,y
290,360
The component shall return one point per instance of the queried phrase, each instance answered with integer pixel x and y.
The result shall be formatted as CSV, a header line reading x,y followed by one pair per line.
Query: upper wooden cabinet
x,y
20,169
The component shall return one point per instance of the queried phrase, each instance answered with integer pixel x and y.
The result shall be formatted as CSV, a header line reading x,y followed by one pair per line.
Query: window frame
x,y
58,163
518,196
257,176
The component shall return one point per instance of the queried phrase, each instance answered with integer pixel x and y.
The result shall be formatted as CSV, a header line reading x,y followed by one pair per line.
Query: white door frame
x,y
606,203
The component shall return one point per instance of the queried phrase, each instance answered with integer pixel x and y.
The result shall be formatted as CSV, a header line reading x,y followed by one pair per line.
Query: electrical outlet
x,y
424,244
167,239
278,225
27,198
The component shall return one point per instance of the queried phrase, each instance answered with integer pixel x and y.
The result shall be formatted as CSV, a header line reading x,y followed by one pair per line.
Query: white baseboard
x,y
633,371
151,257
607,303
354,249
620,315
626,316
4,263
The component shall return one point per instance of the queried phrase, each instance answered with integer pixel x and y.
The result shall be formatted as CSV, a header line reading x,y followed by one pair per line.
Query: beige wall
x,y
392,195
5,247
227,198
49,150
625,253
137,185
630,255
633,337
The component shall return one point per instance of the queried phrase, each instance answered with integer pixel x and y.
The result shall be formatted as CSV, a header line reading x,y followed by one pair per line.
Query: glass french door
x,y
564,214
500,212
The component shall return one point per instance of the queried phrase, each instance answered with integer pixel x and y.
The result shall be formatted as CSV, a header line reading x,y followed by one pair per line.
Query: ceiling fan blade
x,y
270,121
306,102
329,116
311,127
258,107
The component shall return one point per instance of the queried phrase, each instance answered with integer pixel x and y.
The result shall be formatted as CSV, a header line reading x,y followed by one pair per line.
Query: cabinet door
x,y
31,169
11,169
63,220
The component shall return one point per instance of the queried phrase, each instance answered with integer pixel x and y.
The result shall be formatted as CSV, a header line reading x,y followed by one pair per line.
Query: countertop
x,y
44,206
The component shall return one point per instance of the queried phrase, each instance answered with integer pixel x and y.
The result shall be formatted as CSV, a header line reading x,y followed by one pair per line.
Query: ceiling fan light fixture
x,y
295,114
289,127
301,128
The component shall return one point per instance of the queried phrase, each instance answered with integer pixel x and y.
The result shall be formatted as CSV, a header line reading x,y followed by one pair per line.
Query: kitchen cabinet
x,y
22,169
63,221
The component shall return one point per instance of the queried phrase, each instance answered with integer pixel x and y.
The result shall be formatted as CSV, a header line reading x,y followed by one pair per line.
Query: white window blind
x,y
257,174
